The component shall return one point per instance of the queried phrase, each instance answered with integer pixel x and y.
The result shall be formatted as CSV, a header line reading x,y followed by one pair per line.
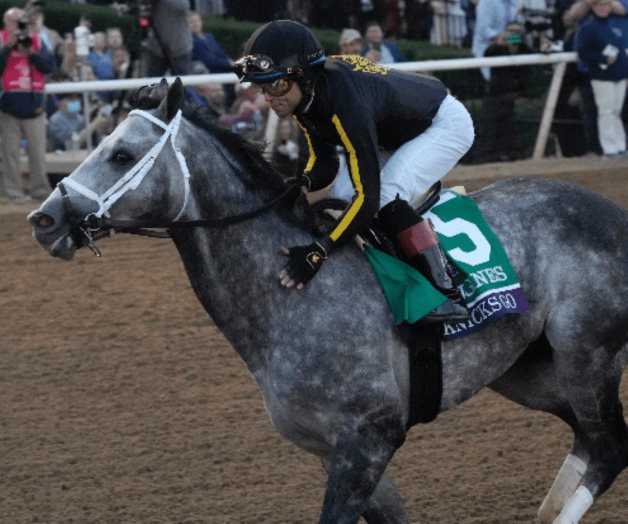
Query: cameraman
x,y
498,135
168,45
23,64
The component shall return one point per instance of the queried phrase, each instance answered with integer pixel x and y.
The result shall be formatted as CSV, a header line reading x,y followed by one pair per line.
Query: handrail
x,y
421,66
230,78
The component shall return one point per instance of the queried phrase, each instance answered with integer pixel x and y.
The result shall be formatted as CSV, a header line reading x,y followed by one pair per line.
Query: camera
x,y
24,37
537,20
539,29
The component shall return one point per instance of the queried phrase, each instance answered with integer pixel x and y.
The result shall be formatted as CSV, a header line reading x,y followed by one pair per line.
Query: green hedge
x,y
63,16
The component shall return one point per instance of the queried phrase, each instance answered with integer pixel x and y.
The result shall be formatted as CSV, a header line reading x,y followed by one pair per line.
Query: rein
x,y
98,224
133,226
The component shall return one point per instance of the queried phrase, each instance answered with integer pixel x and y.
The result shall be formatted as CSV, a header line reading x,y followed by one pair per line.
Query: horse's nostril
x,y
45,220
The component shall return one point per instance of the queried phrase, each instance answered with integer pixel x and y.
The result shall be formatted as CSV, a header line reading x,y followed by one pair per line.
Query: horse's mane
x,y
248,153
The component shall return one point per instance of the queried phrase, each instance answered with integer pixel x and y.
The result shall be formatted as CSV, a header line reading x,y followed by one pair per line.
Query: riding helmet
x,y
278,49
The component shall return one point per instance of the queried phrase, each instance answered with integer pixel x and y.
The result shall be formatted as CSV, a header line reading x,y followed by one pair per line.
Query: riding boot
x,y
415,238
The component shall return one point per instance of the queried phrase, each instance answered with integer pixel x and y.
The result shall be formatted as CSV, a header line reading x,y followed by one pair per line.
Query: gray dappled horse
x,y
331,367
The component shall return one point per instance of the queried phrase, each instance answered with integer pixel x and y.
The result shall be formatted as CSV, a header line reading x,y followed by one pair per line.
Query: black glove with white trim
x,y
304,262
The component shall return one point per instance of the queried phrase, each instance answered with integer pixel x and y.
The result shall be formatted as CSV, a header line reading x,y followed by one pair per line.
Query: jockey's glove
x,y
304,262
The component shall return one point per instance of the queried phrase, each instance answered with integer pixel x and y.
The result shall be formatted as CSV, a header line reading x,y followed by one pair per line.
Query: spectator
x,y
300,10
23,64
468,6
498,135
573,17
492,17
213,95
120,61
49,37
581,9
206,49
285,154
73,65
330,13
83,38
418,19
100,58
168,47
575,118
68,121
208,52
603,50
449,25
350,42
374,37
392,17
101,63
363,12
248,112
115,40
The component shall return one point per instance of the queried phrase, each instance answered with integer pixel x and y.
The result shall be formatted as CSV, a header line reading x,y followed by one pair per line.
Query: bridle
x,y
98,224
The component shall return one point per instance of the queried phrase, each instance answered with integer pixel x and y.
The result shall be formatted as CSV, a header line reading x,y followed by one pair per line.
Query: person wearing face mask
x,y
67,125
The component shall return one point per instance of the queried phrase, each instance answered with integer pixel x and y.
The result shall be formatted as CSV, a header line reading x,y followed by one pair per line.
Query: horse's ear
x,y
150,96
174,99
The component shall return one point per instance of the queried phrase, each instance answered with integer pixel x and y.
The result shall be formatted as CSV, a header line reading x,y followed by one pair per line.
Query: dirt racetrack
x,y
121,403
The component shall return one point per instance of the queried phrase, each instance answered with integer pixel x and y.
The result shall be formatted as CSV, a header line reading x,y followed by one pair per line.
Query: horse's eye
x,y
121,157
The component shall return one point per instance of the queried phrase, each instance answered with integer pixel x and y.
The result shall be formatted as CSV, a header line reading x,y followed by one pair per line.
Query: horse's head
x,y
128,176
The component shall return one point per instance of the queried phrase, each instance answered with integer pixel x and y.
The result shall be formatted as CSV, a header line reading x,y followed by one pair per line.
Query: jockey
x,y
366,109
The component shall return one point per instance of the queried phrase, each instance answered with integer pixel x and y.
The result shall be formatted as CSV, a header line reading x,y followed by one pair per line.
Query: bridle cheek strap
x,y
134,177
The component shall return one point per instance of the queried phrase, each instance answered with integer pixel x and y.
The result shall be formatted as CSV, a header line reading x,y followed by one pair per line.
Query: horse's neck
x,y
233,271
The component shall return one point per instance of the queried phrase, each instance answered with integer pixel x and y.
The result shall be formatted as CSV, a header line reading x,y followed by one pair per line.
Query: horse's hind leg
x,y
564,486
542,379
589,378
531,382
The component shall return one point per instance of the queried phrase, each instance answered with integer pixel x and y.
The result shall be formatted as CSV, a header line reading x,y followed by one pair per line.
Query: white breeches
x,y
422,161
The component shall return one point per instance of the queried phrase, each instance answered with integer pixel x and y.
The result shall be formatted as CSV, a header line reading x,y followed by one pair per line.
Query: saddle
x,y
423,340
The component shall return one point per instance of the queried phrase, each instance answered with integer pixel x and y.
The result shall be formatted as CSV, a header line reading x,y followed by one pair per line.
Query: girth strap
x,y
426,373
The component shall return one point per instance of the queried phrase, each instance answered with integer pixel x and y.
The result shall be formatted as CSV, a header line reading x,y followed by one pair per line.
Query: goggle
x,y
277,88
256,66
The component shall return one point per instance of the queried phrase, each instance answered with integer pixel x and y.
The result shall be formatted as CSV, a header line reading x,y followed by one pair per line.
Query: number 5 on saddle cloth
x,y
485,277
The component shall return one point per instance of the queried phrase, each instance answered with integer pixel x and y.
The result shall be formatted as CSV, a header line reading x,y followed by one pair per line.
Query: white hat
x,y
349,35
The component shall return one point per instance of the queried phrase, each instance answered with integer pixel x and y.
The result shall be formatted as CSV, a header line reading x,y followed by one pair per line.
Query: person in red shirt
x,y
23,64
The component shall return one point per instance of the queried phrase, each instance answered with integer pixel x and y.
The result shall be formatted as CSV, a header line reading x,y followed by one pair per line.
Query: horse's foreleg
x,y
385,505
354,472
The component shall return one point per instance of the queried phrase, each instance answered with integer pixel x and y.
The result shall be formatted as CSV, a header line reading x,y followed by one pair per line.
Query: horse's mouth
x,y
63,247
55,238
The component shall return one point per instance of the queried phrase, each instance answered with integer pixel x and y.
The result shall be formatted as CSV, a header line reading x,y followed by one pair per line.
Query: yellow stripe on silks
x,y
312,160
354,173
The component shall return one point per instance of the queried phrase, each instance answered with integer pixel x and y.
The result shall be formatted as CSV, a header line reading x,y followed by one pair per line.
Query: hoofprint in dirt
x,y
137,410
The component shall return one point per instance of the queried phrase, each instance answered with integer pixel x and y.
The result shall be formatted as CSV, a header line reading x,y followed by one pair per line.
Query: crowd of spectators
x,y
177,44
